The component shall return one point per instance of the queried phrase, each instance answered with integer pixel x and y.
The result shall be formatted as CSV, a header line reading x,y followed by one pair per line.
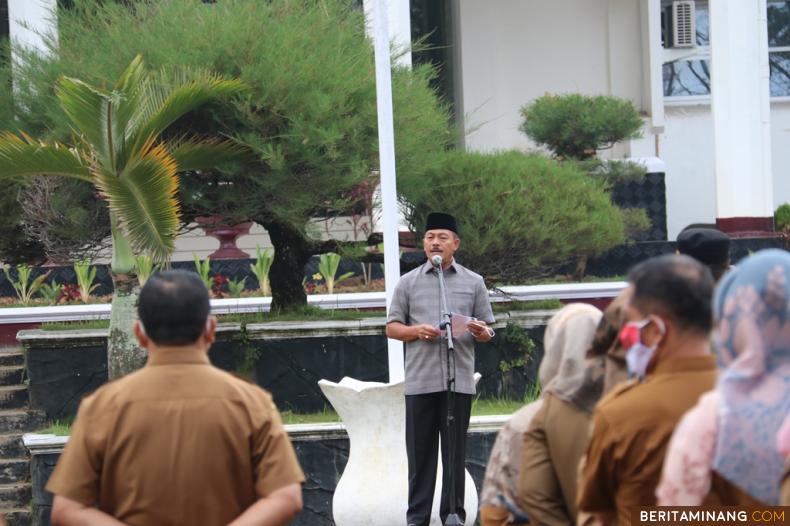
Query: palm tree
x,y
118,147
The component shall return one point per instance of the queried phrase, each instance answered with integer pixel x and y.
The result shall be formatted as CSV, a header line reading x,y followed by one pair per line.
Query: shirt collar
x,y
178,356
428,267
686,364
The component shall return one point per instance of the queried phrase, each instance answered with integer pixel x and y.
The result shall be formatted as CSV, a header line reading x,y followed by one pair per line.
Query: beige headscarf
x,y
568,336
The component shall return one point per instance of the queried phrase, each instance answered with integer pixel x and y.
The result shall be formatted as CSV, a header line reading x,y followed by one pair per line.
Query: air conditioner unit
x,y
680,30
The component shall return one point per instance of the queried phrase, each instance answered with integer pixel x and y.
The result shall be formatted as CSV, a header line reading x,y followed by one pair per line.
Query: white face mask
x,y
638,355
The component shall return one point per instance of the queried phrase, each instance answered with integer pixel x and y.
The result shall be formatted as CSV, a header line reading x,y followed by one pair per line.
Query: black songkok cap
x,y
438,220
706,245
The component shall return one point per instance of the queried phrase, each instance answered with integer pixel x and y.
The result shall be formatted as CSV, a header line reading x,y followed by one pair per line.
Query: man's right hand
x,y
411,333
425,332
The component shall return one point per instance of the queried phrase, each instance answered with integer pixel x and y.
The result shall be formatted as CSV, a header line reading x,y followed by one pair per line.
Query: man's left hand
x,y
480,330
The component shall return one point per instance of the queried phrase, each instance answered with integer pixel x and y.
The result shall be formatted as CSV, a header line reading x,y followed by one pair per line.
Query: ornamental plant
x,y
119,145
782,217
261,267
51,292
23,286
327,267
86,277
576,126
519,213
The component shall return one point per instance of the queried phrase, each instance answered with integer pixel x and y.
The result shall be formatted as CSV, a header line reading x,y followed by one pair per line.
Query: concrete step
x,y
11,446
18,517
14,471
15,496
14,397
12,358
12,375
24,420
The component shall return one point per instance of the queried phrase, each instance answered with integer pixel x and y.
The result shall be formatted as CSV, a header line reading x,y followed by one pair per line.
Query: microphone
x,y
436,261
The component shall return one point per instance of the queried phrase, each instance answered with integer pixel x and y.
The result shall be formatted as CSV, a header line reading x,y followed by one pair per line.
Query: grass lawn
x,y
480,407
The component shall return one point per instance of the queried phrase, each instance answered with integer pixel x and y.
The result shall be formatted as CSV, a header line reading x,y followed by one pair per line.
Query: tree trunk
x,y
292,251
123,354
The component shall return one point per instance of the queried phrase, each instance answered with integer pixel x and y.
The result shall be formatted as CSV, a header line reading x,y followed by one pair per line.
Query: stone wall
x,y
288,361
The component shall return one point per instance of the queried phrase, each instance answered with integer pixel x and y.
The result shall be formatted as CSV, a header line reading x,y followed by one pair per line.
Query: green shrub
x,y
782,217
518,213
577,126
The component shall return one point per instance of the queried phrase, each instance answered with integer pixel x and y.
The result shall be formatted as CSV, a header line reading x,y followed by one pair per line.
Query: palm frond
x,y
143,200
167,104
20,156
193,154
128,97
90,113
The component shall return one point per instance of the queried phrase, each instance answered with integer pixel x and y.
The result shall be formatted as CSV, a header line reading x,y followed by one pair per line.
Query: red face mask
x,y
631,333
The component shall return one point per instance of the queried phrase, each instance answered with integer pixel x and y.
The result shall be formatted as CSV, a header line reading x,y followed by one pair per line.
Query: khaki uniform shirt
x,y
632,426
177,442
784,497
416,301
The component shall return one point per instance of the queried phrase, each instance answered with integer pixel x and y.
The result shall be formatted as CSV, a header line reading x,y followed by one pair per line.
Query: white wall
x,y
513,51
196,242
687,149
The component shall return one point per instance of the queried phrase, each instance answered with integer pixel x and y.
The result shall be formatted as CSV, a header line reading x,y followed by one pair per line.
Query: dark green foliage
x,y
309,118
577,126
782,217
518,213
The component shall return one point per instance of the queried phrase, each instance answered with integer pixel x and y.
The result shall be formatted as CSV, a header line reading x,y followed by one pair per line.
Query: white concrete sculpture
x,y
373,490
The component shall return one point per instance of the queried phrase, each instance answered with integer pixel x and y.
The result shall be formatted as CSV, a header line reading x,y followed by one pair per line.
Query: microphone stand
x,y
446,323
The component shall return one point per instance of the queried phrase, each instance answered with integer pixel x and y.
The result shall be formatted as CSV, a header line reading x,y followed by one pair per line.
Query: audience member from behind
x,y
179,441
667,342
557,435
606,351
783,446
724,450
709,246
499,496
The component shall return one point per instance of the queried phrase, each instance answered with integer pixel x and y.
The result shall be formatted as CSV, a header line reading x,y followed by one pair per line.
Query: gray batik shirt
x,y
416,301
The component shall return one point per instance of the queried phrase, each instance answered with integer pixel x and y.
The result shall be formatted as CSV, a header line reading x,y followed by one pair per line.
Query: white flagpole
x,y
389,199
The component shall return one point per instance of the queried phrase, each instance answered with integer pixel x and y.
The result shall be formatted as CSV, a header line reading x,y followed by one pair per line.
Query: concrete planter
x,y
322,450
286,358
373,490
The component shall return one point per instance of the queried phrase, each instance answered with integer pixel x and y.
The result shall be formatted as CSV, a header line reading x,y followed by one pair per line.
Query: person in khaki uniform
x,y
179,441
568,337
667,342
558,435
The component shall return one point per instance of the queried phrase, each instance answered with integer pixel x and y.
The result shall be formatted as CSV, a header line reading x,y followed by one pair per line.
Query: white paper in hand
x,y
459,323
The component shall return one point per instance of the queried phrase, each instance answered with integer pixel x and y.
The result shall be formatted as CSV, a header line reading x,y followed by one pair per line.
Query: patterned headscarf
x,y
562,371
752,310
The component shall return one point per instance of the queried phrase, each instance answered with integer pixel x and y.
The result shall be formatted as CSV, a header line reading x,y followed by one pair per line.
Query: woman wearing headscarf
x,y
557,435
783,445
724,452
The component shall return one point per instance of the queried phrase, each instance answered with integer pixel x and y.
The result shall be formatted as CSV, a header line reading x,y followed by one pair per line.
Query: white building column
x,y
29,19
741,116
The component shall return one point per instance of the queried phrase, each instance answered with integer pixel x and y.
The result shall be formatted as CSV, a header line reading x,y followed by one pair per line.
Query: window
x,y
691,76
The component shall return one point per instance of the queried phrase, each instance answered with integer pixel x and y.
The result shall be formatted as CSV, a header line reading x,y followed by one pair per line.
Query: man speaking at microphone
x,y
414,318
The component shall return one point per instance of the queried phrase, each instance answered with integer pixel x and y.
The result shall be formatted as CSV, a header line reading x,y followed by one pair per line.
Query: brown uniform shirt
x,y
177,442
632,426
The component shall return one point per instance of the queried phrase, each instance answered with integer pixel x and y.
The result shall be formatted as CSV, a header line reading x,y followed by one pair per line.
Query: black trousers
x,y
426,420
